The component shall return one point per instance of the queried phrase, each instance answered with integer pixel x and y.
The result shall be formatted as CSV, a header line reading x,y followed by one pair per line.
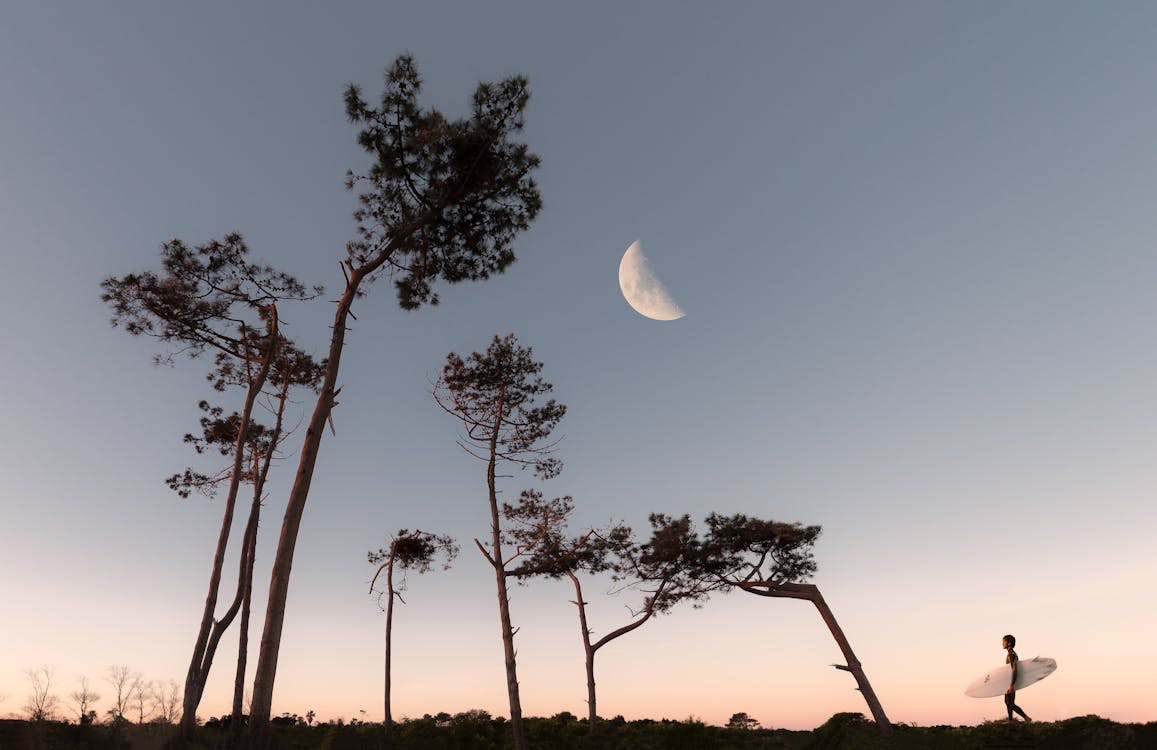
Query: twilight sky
x,y
915,243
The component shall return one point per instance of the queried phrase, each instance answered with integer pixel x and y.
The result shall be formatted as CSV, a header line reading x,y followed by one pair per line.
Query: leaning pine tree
x,y
774,559
443,199
212,298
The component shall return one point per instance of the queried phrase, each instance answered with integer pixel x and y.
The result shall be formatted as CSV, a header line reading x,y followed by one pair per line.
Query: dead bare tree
x,y
167,700
42,703
121,679
83,699
141,693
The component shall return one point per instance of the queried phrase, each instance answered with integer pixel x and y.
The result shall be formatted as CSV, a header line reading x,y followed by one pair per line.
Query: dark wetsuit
x,y
1010,697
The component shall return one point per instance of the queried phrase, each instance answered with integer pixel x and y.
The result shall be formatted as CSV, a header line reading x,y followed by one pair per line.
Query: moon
x,y
645,293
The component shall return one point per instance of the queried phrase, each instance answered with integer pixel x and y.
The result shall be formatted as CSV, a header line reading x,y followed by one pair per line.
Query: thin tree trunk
x,y
511,667
499,564
389,717
588,652
261,466
235,721
592,649
241,598
202,658
812,594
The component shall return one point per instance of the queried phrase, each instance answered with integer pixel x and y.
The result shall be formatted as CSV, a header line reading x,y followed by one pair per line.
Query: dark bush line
x,y
477,730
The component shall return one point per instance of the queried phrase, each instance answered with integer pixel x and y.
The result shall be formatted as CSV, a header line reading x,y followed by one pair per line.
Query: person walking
x,y
1008,642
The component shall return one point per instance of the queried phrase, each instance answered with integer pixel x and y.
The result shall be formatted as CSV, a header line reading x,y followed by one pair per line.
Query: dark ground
x,y
476,730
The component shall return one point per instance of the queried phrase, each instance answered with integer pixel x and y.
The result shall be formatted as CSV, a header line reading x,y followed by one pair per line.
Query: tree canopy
x,y
443,198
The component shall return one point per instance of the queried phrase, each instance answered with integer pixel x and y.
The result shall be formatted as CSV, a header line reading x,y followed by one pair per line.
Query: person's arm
x,y
1014,662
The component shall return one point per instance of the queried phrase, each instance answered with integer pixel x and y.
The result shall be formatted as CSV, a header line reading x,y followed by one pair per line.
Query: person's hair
x,y
1011,640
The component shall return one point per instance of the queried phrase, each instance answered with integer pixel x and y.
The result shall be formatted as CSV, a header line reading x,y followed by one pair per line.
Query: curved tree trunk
x,y
812,594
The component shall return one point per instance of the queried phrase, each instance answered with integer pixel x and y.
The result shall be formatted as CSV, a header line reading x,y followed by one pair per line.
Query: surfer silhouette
x,y
1008,642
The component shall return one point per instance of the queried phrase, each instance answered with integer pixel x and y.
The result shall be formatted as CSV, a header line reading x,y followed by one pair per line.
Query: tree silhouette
x,y
140,694
742,721
771,558
443,199
42,704
498,395
167,699
83,698
121,679
665,570
408,550
212,298
290,369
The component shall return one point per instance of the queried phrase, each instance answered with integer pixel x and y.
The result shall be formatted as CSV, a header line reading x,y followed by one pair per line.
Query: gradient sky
x,y
916,247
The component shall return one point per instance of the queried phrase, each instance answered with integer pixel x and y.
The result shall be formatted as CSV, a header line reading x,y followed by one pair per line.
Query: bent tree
x,y
663,569
666,570
773,559
408,550
211,298
507,419
442,200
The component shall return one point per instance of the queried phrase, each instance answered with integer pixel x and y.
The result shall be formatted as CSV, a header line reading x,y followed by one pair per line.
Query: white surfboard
x,y
995,681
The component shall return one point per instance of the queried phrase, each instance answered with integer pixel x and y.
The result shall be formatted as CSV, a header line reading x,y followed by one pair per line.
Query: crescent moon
x,y
645,293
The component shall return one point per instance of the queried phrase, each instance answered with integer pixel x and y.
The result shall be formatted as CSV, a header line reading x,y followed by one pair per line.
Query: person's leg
x,y
1010,704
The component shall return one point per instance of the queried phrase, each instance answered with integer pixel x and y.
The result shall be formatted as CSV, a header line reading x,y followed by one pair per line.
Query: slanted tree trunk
x,y
311,446
294,509
266,672
812,594
291,523
202,659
